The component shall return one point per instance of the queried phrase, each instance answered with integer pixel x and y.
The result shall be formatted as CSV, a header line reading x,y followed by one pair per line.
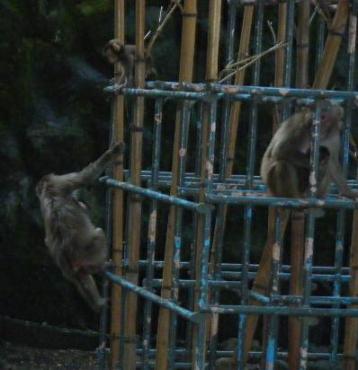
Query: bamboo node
x,y
336,33
188,14
136,128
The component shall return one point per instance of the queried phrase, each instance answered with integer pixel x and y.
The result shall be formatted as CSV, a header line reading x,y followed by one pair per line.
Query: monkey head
x,y
113,51
42,184
331,116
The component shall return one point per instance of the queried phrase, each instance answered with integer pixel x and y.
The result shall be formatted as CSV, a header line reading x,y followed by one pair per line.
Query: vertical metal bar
x,y
309,242
103,320
184,132
289,48
351,325
206,177
152,234
320,41
271,349
203,273
241,361
216,251
341,220
117,293
297,216
340,239
191,294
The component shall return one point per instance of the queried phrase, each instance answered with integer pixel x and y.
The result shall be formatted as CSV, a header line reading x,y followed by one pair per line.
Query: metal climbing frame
x,y
199,293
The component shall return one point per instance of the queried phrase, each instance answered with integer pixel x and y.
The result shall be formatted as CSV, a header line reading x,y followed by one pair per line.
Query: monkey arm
x,y
335,172
72,181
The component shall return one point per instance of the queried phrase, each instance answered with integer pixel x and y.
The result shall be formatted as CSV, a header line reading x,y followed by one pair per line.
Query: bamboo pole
x,y
185,74
135,206
297,219
332,45
117,249
351,327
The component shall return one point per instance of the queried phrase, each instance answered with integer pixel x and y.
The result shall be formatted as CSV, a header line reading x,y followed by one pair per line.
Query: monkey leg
x,y
283,180
96,258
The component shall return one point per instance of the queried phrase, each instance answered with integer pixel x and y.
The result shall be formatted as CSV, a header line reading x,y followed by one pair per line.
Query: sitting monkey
x,y
124,56
76,245
285,166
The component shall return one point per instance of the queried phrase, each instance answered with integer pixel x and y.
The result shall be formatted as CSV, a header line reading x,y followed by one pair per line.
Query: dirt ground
x,y
14,357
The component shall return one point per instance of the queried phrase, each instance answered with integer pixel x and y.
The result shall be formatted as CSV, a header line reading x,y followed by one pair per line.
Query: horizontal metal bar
x,y
234,267
187,314
209,94
240,198
182,353
230,184
282,311
156,93
280,299
148,193
232,90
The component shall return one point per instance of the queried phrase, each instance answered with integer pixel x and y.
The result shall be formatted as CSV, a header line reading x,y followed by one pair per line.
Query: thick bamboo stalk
x,y
332,45
239,80
185,74
117,249
297,219
135,206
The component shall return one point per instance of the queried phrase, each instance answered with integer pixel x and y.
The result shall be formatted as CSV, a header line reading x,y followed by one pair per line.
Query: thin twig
x,y
274,38
157,32
253,59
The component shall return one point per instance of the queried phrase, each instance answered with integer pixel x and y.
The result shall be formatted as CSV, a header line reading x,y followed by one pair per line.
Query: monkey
x,y
123,56
285,166
77,247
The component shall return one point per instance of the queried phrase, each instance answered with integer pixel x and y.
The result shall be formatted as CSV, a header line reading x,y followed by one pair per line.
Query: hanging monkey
x,y
76,245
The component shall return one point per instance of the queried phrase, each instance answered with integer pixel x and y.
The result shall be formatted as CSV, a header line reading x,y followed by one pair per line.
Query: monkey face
x,y
41,185
331,117
111,57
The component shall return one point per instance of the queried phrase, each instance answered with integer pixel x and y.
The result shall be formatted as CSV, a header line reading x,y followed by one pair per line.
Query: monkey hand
x,y
109,266
100,303
117,148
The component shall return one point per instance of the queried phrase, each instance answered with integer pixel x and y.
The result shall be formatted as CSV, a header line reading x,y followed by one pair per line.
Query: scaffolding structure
x,y
171,296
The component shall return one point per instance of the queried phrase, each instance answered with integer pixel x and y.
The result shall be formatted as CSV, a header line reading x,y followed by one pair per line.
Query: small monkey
x,y
76,245
285,166
123,56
